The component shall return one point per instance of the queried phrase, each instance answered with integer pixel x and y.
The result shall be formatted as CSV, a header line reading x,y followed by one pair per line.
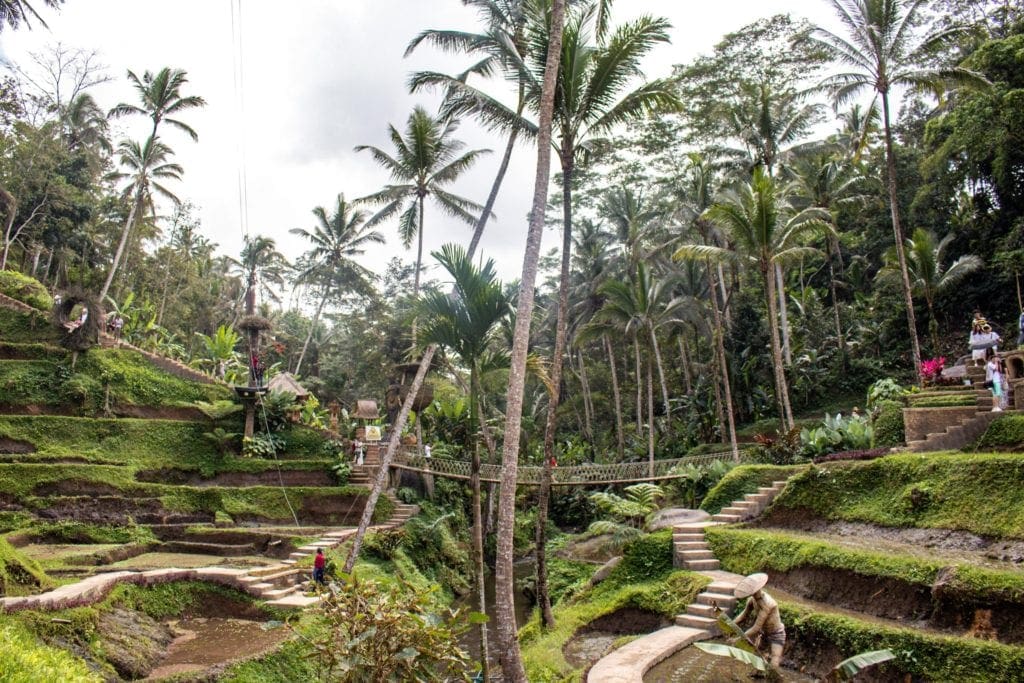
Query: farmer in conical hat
x,y
767,622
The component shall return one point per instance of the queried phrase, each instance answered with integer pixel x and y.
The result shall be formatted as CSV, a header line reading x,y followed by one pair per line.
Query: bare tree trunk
x,y
833,251
725,294
723,366
478,525
380,482
128,224
661,373
894,208
650,417
780,287
478,231
312,328
557,361
781,390
619,431
11,205
719,406
588,402
639,387
510,657
684,357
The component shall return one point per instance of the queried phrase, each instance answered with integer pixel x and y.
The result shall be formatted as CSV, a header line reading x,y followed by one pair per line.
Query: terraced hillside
x,y
923,554
107,464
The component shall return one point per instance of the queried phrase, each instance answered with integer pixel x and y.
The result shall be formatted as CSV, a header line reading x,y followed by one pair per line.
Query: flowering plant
x,y
931,369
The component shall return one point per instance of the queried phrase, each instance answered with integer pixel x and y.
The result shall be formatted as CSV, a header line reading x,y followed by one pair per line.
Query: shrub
x,y
888,424
780,448
407,495
25,289
1005,433
963,400
24,658
886,389
645,558
836,434
262,446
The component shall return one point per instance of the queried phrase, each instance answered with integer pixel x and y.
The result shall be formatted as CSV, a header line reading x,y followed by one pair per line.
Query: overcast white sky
x,y
320,77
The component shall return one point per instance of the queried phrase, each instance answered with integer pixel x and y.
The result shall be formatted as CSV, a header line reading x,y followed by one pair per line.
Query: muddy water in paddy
x,y
205,642
691,665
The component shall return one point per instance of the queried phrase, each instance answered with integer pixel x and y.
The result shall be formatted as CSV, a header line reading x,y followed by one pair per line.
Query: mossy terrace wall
x,y
111,471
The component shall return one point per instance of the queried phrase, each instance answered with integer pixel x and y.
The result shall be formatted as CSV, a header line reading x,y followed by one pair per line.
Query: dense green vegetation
x,y
20,575
1006,433
941,490
25,289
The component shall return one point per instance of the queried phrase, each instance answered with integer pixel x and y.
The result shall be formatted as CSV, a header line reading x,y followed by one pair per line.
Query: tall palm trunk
x,y
780,286
510,657
650,417
833,251
381,480
661,372
620,437
781,391
719,404
639,387
312,328
557,360
684,358
481,223
128,224
894,208
723,366
588,401
478,522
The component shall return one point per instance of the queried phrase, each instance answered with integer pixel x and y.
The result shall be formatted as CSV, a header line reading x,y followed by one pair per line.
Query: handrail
x,y
572,475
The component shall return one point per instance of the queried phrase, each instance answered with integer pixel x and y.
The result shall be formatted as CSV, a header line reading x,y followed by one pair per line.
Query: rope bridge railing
x,y
573,475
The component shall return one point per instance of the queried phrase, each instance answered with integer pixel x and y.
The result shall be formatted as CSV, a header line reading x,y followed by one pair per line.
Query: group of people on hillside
x,y
984,342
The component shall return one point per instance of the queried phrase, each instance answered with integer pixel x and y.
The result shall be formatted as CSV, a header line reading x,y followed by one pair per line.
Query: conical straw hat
x,y
750,585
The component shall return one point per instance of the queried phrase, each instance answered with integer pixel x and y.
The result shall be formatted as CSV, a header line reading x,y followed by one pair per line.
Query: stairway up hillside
x,y
962,430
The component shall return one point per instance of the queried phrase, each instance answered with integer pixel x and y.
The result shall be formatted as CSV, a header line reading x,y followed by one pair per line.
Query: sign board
x,y
372,433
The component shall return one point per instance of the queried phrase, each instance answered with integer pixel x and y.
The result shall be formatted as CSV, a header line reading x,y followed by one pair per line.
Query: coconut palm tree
x,y
13,12
85,126
161,98
509,654
929,276
763,228
146,166
638,309
428,158
879,50
335,240
504,22
466,321
262,268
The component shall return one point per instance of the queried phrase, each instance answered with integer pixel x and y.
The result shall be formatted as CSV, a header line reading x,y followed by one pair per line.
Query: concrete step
x,y
720,587
689,556
260,587
723,600
295,601
757,498
687,537
767,490
779,485
279,593
726,518
691,545
288,562
694,621
702,565
297,555
699,610
735,510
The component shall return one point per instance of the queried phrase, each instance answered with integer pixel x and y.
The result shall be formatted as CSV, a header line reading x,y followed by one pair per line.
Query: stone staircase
x,y
690,549
700,614
965,429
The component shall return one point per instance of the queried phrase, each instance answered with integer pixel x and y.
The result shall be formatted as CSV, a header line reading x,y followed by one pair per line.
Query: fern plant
x,y
626,516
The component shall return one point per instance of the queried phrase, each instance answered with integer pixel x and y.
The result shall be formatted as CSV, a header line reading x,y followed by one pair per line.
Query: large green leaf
x,y
721,650
848,668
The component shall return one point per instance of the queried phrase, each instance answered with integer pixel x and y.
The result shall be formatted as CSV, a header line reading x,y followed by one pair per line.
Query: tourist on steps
x,y
982,339
768,622
319,564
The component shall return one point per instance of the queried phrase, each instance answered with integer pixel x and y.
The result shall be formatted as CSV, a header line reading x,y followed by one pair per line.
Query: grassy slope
x,y
742,480
922,656
979,493
746,551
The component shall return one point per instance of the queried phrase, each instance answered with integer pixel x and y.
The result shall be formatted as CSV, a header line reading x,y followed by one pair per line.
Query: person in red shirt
x,y
319,563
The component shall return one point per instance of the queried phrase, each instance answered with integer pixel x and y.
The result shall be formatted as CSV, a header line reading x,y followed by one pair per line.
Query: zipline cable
x,y
238,74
